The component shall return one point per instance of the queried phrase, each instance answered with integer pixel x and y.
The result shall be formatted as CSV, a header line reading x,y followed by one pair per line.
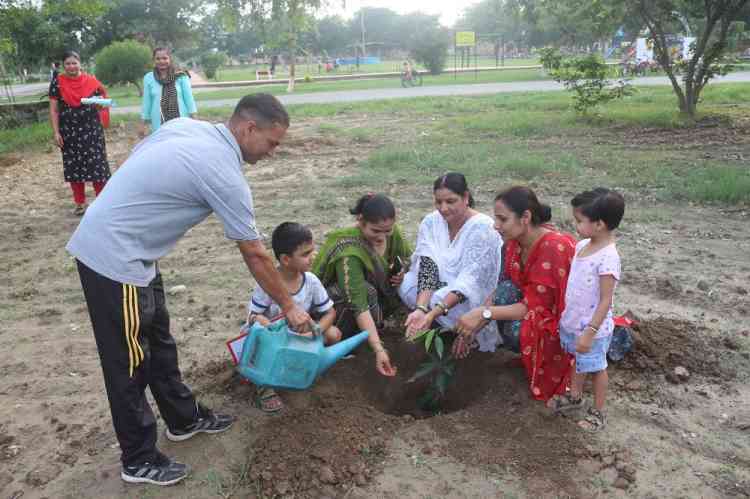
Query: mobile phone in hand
x,y
397,266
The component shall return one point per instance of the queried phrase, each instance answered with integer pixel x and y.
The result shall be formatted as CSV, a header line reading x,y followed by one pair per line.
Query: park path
x,y
433,91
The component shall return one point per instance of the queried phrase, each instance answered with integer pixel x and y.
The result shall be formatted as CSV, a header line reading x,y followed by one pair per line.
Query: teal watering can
x,y
277,357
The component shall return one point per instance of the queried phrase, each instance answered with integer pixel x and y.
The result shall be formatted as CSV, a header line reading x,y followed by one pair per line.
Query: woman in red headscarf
x,y
78,128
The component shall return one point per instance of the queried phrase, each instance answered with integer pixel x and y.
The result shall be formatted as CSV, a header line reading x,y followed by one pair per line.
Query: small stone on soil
x,y
703,286
731,344
588,467
326,475
621,483
175,290
682,373
282,487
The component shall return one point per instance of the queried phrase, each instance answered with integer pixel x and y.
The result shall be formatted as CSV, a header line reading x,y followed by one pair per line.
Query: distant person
x,y
173,180
54,70
274,61
78,130
586,325
166,93
408,70
293,247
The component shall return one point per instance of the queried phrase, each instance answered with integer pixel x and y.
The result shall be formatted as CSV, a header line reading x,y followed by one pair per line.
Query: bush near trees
x,y
123,62
429,47
211,62
587,77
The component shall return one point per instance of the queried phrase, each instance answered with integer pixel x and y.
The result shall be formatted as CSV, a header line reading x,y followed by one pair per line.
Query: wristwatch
x,y
487,314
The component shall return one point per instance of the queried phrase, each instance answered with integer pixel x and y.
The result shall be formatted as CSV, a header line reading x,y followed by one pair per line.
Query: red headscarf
x,y
84,85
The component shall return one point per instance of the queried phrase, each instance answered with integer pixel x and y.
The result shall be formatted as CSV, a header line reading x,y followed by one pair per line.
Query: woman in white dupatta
x,y
456,264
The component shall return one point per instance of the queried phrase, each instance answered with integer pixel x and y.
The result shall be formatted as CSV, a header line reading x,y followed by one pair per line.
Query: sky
x,y
449,10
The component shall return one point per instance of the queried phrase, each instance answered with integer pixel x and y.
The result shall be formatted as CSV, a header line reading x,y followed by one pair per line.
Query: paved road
x,y
401,93
432,91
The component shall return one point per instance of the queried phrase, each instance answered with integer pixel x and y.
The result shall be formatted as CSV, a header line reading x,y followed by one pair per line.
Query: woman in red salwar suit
x,y
536,258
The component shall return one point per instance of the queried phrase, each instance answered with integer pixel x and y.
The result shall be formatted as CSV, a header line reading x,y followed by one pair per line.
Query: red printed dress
x,y
543,280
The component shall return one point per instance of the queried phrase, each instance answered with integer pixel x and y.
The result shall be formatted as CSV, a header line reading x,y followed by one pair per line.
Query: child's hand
x,y
262,320
584,342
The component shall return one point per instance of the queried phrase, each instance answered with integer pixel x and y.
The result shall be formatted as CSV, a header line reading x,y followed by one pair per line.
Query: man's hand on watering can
x,y
383,363
298,319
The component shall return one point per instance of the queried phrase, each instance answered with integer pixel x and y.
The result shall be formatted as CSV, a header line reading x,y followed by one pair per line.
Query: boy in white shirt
x,y
293,246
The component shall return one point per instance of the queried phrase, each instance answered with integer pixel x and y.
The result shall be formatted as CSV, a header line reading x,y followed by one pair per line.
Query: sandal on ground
x,y
594,420
79,210
564,404
268,401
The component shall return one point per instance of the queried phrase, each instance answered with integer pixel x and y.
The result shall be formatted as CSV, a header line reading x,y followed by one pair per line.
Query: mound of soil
x,y
662,344
334,437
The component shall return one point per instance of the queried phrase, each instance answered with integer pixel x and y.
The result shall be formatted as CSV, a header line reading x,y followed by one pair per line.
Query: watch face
x,y
486,314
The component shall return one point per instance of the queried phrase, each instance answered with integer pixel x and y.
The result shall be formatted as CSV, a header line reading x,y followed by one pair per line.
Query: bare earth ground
x,y
686,274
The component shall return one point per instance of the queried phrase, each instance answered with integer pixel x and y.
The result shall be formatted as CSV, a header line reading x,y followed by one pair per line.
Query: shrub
x,y
211,61
585,76
123,62
429,47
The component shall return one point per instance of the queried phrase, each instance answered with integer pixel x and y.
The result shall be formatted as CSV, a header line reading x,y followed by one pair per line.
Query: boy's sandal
x,y
563,404
268,401
594,421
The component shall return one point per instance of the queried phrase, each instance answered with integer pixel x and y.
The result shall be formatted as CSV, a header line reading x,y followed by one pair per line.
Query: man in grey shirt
x,y
172,181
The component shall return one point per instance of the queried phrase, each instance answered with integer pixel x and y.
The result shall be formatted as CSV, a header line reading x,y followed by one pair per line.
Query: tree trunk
x,y
138,87
292,64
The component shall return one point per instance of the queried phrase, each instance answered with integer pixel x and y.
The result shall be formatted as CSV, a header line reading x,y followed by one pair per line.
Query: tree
x,y
429,44
164,22
709,20
285,21
123,62
211,62
333,35
30,38
713,19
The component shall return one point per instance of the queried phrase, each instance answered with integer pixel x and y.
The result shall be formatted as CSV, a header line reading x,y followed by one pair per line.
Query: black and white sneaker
x,y
207,422
163,471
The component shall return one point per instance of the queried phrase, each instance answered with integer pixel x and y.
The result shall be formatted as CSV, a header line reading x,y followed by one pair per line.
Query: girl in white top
x,y
456,264
586,324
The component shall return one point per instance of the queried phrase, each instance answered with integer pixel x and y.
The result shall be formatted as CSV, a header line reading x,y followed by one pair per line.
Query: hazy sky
x,y
449,10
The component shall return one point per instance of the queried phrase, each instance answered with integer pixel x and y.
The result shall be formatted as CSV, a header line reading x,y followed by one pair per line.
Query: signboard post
x,y
464,40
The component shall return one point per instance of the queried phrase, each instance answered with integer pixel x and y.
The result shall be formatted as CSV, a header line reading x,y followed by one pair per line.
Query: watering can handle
x,y
249,346
316,329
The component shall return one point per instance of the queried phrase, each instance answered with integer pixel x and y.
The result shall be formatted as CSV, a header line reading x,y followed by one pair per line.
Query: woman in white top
x,y
456,264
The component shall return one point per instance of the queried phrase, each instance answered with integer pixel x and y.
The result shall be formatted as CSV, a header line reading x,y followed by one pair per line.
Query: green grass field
x,y
533,138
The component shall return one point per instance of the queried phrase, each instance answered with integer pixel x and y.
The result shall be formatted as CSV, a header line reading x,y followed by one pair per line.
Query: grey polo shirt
x,y
172,181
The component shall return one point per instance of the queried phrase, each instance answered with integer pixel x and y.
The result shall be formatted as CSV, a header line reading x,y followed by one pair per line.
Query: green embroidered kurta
x,y
348,260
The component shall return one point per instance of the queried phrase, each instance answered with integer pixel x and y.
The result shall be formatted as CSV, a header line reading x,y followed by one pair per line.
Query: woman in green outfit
x,y
362,267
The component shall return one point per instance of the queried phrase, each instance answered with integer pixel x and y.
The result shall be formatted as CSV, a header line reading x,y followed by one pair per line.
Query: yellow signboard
x,y
465,39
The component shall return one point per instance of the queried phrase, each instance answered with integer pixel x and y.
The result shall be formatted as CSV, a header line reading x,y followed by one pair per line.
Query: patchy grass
x,y
532,138
32,137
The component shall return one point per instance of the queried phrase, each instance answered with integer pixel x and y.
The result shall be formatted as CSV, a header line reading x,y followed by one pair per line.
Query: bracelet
x,y
423,308
443,306
378,348
595,330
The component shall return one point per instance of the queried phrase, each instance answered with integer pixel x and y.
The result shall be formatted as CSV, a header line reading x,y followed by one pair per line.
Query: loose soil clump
x,y
662,345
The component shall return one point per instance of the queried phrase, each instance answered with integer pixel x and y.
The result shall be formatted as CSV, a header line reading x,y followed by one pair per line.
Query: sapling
x,y
440,368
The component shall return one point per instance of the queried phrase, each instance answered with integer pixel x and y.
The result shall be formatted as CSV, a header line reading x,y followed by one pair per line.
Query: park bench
x,y
260,73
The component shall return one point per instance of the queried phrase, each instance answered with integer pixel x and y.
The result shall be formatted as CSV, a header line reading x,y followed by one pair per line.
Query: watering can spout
x,y
335,352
